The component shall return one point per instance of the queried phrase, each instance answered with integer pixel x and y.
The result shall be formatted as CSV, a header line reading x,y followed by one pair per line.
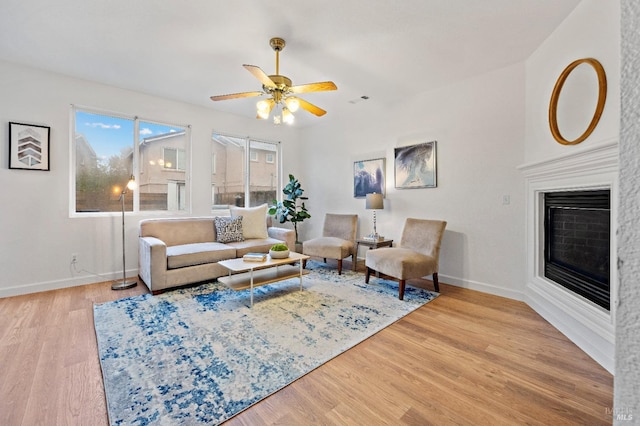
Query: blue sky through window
x,y
109,135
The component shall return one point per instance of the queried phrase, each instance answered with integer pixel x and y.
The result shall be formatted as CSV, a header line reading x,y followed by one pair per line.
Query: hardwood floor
x,y
464,358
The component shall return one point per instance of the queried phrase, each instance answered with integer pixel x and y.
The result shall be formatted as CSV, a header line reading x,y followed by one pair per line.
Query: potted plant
x,y
292,208
279,251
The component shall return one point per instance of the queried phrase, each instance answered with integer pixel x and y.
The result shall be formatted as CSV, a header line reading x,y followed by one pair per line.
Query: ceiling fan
x,y
281,92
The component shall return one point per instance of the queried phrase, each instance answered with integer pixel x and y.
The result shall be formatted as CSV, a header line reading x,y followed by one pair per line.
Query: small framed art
x,y
28,146
415,166
368,177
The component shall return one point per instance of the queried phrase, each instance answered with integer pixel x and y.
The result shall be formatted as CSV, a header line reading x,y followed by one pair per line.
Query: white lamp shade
x,y
287,117
263,105
292,103
264,108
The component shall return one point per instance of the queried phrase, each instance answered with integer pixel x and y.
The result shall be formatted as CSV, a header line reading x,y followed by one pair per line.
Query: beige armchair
x,y
337,241
416,256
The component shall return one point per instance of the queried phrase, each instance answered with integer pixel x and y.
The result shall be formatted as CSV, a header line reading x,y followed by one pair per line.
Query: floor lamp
x,y
124,284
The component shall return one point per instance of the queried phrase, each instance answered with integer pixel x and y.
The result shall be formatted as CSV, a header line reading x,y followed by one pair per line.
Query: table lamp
x,y
374,202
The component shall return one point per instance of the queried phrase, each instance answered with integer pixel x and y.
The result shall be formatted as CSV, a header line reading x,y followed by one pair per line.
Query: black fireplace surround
x,y
577,242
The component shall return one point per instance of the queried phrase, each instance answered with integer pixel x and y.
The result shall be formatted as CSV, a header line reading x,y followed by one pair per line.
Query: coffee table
x,y
247,275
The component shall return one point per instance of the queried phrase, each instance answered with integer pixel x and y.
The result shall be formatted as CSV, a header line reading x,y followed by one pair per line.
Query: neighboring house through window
x,y
238,179
109,148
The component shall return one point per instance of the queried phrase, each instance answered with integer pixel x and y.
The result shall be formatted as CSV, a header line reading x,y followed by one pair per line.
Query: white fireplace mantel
x,y
586,324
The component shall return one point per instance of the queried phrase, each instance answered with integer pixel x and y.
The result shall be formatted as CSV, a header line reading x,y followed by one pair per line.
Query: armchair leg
x,y
325,260
339,266
401,289
366,276
436,286
304,264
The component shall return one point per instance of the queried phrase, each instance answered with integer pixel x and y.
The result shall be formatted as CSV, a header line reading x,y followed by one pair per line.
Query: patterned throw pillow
x,y
228,230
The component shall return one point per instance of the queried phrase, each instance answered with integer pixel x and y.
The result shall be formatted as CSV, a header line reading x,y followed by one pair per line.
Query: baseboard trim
x,y
482,287
75,281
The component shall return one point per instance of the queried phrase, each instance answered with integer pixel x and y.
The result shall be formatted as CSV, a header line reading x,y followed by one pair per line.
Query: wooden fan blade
x,y
311,108
235,96
260,75
313,87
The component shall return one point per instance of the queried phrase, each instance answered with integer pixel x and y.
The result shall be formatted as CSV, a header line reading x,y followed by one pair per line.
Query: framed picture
x,y
415,166
28,146
368,177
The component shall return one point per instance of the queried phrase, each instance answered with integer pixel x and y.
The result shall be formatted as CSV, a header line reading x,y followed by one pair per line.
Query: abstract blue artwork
x,y
368,177
415,166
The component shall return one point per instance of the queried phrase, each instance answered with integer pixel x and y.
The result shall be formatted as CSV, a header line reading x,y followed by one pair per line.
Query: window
x,y
174,159
109,148
269,158
238,180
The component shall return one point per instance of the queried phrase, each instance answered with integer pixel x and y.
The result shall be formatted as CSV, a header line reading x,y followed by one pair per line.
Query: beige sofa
x,y
177,251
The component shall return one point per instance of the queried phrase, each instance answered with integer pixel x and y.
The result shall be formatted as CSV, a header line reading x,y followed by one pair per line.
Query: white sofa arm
x,y
152,261
283,234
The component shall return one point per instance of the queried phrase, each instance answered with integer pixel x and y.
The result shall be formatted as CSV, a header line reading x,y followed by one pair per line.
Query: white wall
x,y
37,236
479,128
591,30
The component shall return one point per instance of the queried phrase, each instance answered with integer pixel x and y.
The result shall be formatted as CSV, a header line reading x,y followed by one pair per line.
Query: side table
x,y
372,244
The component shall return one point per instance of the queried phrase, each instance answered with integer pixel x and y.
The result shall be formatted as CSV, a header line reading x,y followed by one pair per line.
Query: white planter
x,y
279,254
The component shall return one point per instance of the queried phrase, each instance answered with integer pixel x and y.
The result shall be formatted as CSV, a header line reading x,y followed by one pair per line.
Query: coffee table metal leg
x,y
251,274
300,276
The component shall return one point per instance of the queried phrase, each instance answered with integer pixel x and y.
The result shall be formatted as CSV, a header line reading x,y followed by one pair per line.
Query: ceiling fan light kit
x,y
282,101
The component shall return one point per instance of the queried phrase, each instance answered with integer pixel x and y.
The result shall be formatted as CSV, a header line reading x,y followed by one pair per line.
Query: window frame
x,y
137,156
246,140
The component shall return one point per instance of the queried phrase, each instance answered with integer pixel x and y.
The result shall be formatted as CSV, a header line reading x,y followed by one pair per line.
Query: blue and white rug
x,y
201,355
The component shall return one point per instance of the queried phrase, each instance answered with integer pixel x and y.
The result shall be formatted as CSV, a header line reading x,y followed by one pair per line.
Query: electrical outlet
x,y
74,257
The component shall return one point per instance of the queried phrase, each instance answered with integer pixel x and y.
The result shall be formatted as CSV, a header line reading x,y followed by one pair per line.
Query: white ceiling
x,y
188,50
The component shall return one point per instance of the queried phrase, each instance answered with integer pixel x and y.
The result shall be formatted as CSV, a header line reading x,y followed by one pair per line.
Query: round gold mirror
x,y
555,96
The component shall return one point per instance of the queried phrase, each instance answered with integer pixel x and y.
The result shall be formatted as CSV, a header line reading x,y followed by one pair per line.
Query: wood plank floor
x,y
465,358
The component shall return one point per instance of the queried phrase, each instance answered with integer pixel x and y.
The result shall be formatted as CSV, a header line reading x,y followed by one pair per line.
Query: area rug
x,y
202,355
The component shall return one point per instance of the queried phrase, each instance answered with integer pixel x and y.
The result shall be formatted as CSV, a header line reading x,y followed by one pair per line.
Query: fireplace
x,y
577,242
562,182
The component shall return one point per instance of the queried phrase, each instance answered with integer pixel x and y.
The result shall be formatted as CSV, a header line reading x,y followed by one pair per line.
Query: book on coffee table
x,y
254,257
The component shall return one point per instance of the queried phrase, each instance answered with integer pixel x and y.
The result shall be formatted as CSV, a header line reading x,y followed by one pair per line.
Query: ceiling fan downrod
x,y
277,44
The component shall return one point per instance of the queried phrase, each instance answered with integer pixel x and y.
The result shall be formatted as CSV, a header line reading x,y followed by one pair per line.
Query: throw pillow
x,y
254,220
228,229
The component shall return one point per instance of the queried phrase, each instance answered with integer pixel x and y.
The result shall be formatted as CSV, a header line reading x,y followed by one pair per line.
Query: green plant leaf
x,y
290,209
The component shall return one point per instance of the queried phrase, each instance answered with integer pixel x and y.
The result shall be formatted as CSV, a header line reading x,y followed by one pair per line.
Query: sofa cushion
x,y
254,245
254,220
228,229
179,230
198,254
